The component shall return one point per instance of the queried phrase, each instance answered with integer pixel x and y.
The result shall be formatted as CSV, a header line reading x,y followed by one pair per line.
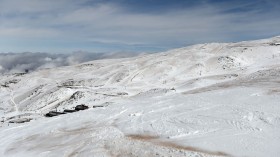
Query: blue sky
x,y
63,26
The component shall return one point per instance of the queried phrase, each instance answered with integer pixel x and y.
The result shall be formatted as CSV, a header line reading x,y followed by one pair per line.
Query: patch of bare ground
x,y
154,140
210,88
143,137
91,140
236,83
273,91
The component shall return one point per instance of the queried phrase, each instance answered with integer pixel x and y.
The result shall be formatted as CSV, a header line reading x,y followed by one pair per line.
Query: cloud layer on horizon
x,y
122,25
19,62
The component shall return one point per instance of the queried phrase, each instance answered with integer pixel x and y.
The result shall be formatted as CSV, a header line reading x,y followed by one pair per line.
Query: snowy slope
x,y
217,99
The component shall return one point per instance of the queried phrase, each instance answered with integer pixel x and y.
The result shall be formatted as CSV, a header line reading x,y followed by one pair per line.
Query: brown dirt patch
x,y
155,140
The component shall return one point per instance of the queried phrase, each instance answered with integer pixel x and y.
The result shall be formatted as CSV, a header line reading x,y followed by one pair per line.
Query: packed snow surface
x,y
207,100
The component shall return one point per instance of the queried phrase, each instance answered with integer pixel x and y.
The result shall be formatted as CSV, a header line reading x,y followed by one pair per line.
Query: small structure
x,y
69,111
81,107
77,108
22,120
97,106
53,113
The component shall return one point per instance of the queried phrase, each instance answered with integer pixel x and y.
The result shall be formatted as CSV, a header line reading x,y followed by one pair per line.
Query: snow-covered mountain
x,y
216,99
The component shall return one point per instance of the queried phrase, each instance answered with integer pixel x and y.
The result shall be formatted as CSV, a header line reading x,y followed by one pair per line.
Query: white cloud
x,y
19,62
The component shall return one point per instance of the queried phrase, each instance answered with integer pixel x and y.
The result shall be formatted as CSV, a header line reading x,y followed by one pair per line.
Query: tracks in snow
x,y
12,99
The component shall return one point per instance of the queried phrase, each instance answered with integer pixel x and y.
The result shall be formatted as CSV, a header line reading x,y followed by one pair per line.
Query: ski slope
x,y
206,100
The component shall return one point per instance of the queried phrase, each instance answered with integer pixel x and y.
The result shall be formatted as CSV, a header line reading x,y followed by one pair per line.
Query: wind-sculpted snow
x,y
204,100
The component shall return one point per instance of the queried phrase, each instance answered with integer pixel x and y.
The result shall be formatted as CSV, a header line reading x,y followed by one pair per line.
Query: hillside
x,y
216,99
